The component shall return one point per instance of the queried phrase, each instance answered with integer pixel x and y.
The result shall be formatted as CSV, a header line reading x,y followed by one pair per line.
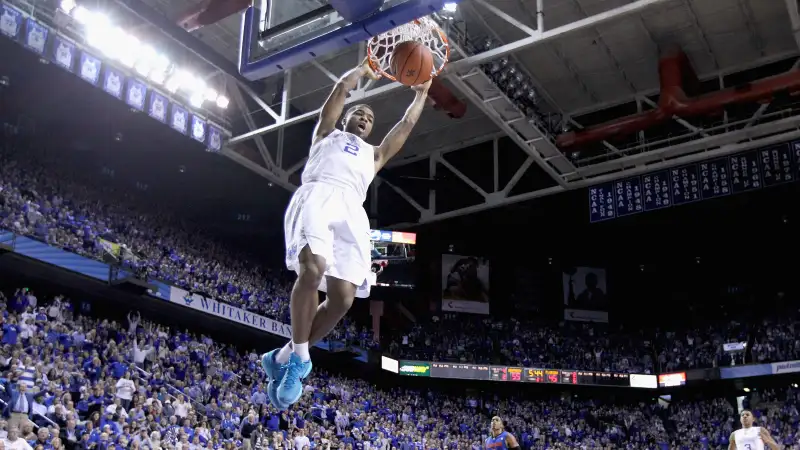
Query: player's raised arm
x,y
394,141
334,105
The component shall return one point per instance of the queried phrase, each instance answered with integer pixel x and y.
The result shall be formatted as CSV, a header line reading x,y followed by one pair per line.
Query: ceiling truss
x,y
471,82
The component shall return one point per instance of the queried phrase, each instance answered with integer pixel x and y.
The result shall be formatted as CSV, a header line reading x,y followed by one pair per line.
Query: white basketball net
x,y
423,30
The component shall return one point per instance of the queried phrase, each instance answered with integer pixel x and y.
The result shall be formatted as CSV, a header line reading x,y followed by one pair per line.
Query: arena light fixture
x,y
67,5
145,60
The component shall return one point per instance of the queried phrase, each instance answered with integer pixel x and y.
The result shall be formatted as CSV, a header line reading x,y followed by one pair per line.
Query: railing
x,y
198,406
35,425
718,127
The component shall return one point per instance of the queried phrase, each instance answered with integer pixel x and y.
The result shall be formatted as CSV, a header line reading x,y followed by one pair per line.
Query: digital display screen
x,y
465,371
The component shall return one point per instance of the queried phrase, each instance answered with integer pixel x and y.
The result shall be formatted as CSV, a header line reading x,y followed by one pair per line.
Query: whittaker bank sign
x,y
228,312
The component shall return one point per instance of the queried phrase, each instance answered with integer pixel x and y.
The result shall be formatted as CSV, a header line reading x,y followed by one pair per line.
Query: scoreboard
x,y
715,178
528,374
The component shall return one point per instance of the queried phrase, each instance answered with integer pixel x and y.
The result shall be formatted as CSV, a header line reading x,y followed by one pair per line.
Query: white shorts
x,y
333,223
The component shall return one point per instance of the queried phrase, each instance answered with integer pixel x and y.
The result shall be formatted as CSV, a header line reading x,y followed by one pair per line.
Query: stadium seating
x,y
143,385
75,213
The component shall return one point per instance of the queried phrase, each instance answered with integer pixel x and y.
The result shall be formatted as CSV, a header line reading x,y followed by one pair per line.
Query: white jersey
x,y
748,439
343,160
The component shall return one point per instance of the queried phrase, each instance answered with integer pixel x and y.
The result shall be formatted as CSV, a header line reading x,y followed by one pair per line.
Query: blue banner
x,y
35,36
10,21
179,120
61,258
214,139
113,82
114,79
137,92
198,129
158,107
719,177
64,53
90,68
756,370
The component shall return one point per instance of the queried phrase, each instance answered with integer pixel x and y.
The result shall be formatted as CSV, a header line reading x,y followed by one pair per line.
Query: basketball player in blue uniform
x,y
749,437
327,230
499,438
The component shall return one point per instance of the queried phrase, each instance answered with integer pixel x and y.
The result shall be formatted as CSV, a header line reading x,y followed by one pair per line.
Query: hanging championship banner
x,y
35,36
198,129
179,120
113,82
64,53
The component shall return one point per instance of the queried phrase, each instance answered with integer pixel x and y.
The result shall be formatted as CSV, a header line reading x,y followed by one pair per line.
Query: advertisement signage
x,y
415,368
672,379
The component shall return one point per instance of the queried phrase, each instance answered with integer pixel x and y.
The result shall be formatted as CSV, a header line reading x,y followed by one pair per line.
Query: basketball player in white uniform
x,y
751,438
327,229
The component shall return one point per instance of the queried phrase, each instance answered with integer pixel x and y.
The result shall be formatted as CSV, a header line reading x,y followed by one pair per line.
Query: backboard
x,y
280,34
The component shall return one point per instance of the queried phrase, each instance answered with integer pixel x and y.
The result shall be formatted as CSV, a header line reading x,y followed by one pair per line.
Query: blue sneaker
x,y
271,367
275,370
272,393
291,387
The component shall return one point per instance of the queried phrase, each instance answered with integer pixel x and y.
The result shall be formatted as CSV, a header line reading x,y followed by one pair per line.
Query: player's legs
x,y
341,294
351,265
309,245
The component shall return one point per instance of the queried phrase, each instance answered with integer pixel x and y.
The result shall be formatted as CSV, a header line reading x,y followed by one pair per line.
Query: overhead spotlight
x,y
130,49
67,5
211,95
222,102
81,15
196,100
147,57
746,389
450,8
176,80
161,65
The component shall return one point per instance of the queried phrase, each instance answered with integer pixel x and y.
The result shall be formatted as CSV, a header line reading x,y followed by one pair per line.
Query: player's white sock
x,y
301,350
284,353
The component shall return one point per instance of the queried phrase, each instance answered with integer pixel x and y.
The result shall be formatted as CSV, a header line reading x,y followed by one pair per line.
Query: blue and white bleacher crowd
x,y
71,381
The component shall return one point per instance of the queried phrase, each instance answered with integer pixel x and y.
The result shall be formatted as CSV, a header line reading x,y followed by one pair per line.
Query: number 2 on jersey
x,y
351,148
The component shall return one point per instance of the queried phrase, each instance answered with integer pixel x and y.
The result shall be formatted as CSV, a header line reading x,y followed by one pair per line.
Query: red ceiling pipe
x,y
675,72
210,12
444,100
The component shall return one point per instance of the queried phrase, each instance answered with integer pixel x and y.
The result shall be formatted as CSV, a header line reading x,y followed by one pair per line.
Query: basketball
x,y
411,63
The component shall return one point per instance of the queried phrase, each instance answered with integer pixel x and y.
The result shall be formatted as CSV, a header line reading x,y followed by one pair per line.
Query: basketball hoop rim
x,y
380,72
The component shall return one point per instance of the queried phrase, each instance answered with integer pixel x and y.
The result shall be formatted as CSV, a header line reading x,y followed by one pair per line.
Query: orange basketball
x,y
412,63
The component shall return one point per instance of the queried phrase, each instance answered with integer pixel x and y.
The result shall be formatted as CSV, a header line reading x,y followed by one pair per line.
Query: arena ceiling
x,y
589,61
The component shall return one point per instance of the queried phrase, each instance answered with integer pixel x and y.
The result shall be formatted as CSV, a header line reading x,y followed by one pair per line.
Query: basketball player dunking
x,y
749,437
499,438
327,229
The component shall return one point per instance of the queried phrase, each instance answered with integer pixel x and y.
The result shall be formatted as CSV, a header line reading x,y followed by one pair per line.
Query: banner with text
x,y
465,284
585,297
785,367
232,313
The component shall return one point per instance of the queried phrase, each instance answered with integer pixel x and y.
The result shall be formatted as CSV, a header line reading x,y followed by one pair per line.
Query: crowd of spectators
x,y
570,345
594,346
38,199
76,382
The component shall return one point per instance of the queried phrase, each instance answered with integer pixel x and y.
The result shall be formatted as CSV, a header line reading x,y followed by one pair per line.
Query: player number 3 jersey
x,y
748,439
343,160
